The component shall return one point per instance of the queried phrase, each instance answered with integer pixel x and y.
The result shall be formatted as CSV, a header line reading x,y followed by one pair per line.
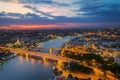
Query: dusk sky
x,y
34,14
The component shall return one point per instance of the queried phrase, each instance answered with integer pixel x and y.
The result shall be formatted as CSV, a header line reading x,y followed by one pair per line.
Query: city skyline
x,y
49,14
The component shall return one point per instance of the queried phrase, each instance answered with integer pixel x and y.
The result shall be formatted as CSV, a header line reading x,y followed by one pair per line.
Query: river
x,y
23,68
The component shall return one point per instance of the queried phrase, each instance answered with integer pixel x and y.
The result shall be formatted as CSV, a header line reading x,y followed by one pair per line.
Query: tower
x,y
17,42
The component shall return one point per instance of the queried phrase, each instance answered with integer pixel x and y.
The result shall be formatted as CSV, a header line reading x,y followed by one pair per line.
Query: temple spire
x,y
17,42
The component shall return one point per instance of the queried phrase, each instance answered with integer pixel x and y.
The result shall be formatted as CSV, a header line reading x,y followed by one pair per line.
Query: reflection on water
x,y
39,61
32,61
26,57
21,59
46,63
24,68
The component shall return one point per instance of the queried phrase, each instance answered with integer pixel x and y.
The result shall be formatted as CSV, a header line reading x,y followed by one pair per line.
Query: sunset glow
x,y
54,26
15,14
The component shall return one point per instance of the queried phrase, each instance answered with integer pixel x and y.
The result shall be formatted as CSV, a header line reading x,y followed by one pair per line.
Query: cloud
x,y
56,9
65,1
13,8
39,12
100,8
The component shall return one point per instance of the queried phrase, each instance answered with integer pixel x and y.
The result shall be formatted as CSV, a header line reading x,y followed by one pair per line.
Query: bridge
x,y
53,50
41,55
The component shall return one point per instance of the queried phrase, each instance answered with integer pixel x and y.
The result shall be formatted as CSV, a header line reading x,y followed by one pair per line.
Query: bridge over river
x,y
23,68
55,45
42,55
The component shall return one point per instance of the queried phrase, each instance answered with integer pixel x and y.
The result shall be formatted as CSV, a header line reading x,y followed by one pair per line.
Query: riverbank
x,y
4,57
5,54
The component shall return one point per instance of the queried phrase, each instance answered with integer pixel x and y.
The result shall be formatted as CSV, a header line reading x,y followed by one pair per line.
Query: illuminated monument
x,y
18,42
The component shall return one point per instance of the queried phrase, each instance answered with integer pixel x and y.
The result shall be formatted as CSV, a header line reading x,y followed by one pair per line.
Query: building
x,y
17,42
117,60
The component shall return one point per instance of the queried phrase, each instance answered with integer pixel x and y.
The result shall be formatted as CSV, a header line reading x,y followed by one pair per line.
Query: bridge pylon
x,y
51,51
44,59
26,55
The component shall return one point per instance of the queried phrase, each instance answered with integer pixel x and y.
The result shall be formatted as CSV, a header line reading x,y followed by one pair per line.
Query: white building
x,y
117,60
